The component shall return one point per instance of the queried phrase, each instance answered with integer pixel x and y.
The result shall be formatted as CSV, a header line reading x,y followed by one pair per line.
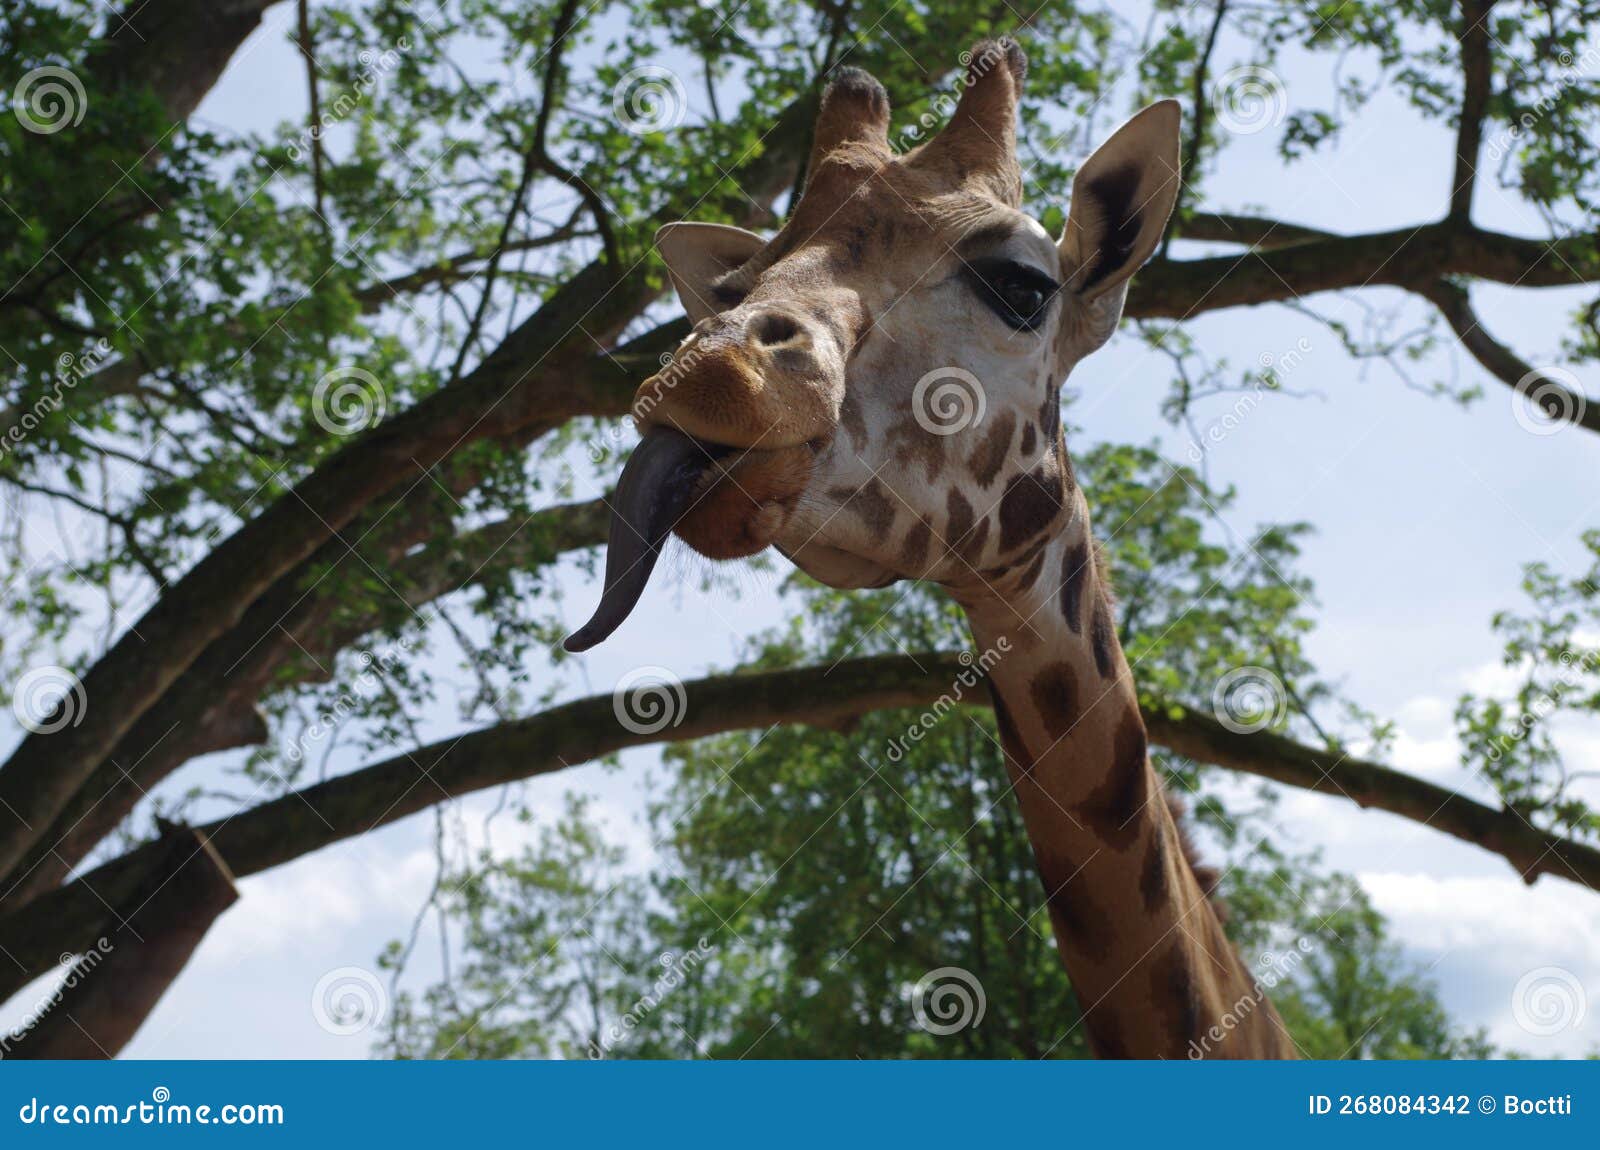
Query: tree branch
x,y
1405,258
121,977
289,637
1556,399
1476,82
525,381
828,697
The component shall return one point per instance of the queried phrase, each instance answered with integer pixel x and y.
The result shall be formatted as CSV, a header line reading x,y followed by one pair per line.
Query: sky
x,y
1425,514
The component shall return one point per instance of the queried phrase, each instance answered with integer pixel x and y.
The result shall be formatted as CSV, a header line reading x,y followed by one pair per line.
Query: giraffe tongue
x,y
656,488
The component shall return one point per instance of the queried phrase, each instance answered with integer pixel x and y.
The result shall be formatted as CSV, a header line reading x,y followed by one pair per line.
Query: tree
x,y
308,406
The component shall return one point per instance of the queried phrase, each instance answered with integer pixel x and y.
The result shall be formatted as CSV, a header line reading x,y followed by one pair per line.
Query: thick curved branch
x,y
1556,399
524,382
1405,258
121,977
290,636
829,697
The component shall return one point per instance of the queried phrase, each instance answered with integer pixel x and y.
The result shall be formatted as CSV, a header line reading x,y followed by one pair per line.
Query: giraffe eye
x,y
1018,294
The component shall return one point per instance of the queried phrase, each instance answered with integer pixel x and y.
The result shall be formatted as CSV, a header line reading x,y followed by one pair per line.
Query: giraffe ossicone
x,y
874,391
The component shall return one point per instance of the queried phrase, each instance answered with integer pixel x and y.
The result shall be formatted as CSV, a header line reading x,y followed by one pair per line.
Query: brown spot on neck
x,y
1113,809
958,519
1074,578
993,449
1055,698
1031,503
1103,638
870,503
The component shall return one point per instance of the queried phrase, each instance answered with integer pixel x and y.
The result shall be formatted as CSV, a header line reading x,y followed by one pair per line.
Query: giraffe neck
x,y
1154,973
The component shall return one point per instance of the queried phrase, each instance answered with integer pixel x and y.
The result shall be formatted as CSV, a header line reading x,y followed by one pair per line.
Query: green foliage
x,y
1554,649
830,876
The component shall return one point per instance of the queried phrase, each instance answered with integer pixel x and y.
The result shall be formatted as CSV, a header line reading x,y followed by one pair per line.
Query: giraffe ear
x,y
697,255
1122,198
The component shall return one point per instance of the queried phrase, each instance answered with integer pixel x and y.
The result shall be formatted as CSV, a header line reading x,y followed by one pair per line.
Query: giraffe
x,y
874,392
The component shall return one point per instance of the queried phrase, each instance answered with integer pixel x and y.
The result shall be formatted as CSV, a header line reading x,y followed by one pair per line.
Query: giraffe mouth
x,y
657,487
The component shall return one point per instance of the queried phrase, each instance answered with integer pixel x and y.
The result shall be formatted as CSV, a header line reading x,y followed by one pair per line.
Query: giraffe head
x,y
874,391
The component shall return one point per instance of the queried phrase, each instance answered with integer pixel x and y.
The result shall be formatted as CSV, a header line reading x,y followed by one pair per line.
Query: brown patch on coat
x,y
853,420
1155,883
1030,574
1113,808
1029,440
974,546
870,503
991,452
1031,503
1074,578
1081,924
1055,698
1010,738
914,551
1173,990
957,520
1103,638
1105,1033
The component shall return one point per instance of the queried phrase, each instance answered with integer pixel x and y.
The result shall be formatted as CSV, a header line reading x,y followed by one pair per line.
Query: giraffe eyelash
x,y
1020,295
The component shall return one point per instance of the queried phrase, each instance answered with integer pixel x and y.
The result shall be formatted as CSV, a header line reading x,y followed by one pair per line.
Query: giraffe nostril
x,y
772,328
